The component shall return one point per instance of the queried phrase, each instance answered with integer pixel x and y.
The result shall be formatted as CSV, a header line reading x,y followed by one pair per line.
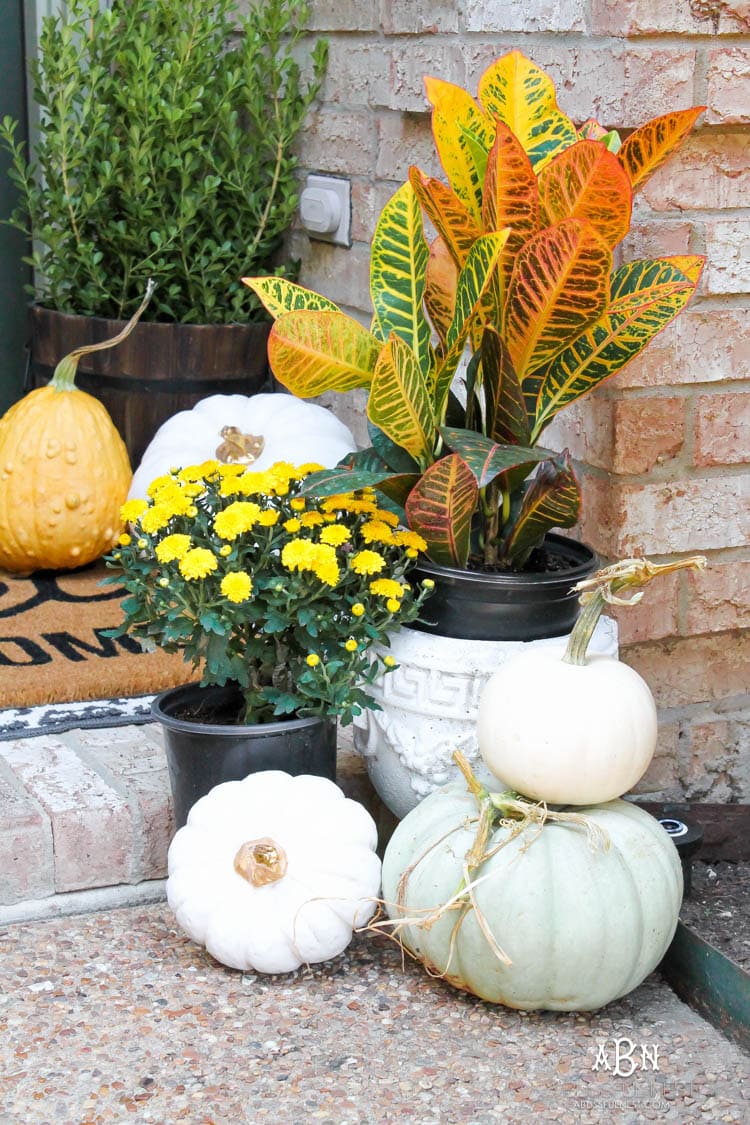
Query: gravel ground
x,y
718,908
117,1017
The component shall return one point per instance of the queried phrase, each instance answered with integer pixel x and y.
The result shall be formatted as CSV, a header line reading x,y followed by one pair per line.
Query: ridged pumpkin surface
x,y
64,474
582,925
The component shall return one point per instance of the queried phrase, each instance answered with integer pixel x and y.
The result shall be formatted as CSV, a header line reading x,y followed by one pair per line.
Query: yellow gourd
x,y
64,473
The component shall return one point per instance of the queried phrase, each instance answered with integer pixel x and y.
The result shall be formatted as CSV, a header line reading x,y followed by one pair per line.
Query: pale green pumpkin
x,y
581,923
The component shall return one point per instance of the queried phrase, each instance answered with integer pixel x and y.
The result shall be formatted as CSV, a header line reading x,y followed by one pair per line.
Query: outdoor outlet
x,y
325,209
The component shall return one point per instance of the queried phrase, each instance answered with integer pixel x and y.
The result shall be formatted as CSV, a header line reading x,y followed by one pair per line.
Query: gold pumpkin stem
x,y
261,861
65,373
605,587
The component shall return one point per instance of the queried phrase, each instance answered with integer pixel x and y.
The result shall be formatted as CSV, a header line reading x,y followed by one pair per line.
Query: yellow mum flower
x,y
237,517
198,563
335,535
392,605
358,609
350,645
387,588
268,518
312,519
297,554
225,550
292,525
158,483
309,467
132,509
313,660
367,562
298,504
376,531
389,661
155,518
386,516
347,502
124,540
237,586
409,539
230,468
172,547
326,565
197,472
319,559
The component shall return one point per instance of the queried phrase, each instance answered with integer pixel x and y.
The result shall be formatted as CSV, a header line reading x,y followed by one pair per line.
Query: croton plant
x,y
520,280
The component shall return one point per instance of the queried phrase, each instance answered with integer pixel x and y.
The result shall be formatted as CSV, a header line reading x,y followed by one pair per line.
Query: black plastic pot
x,y
505,606
201,755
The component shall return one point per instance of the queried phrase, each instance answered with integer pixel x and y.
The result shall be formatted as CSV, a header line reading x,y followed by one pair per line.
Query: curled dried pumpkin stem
x,y
606,588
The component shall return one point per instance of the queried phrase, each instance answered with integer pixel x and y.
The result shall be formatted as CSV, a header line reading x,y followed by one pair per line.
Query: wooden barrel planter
x,y
160,369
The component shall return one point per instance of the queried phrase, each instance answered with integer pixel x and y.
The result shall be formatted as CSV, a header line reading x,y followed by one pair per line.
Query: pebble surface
x,y
118,1017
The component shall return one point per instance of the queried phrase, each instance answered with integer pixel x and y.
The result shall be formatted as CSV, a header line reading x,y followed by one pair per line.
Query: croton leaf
x,y
559,285
552,499
398,260
648,146
511,198
463,137
280,296
647,295
473,282
440,508
312,352
450,217
486,458
506,417
401,401
391,454
517,92
441,282
588,182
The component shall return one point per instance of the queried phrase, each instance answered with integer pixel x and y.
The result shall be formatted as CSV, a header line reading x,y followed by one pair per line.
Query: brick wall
x,y
665,449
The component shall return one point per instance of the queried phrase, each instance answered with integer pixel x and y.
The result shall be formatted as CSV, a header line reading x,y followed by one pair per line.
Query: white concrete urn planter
x,y
429,710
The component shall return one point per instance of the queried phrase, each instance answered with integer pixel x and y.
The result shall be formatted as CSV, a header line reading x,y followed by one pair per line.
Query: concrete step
x,y
90,810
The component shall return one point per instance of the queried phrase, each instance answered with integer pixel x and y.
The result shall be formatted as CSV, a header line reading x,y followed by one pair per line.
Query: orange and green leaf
x,y
486,458
440,508
559,285
450,218
463,137
552,499
648,146
506,418
401,401
511,199
441,281
312,352
647,295
517,92
398,260
588,182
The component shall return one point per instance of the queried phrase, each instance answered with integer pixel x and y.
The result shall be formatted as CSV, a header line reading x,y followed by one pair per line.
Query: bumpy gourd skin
x,y
64,474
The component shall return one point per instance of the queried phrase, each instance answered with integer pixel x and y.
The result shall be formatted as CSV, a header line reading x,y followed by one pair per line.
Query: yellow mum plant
x,y
282,594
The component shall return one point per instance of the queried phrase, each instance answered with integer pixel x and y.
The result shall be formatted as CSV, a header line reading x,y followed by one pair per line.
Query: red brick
x,y
340,142
343,15
656,240
698,347
708,173
368,200
693,669
622,435
403,140
358,73
542,15
622,86
722,429
718,761
692,17
411,60
729,86
418,17
662,776
666,517
718,598
728,257
655,617
342,275
26,858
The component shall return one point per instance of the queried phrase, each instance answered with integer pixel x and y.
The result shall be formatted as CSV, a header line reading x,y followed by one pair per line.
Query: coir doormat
x,y
53,647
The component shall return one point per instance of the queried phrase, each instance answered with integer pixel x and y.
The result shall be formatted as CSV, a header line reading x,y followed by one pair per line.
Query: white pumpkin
x,y
579,925
567,734
288,429
274,871
561,726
